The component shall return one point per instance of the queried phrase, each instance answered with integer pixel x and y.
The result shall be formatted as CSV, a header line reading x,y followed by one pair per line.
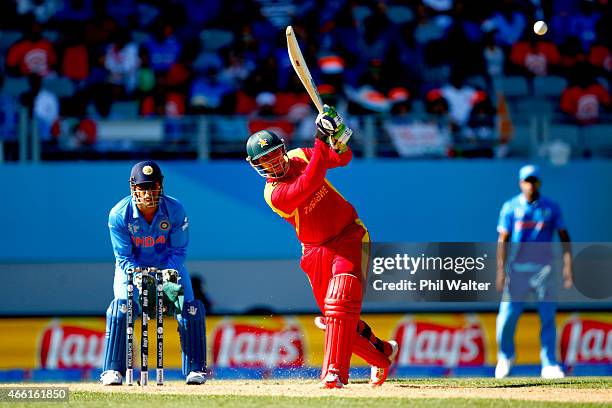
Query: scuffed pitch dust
x,y
404,389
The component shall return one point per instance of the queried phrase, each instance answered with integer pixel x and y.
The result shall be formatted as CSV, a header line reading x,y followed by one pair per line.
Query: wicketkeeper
x,y
332,238
150,229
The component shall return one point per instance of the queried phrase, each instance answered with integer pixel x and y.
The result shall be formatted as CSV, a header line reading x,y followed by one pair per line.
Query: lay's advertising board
x,y
445,340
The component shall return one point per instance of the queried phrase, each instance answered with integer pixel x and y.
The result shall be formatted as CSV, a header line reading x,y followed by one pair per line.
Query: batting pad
x,y
370,348
116,320
192,330
342,309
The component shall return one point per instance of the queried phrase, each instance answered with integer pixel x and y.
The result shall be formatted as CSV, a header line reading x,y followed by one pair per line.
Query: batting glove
x,y
332,130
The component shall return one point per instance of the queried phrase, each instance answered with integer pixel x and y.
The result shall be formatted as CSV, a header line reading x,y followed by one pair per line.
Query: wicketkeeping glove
x,y
332,129
173,293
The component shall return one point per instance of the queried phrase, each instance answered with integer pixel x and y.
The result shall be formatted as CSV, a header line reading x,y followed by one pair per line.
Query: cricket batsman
x,y
332,238
150,229
527,269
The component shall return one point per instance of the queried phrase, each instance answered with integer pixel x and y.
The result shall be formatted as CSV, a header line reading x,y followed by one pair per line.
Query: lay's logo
x,y
245,345
586,341
427,343
63,346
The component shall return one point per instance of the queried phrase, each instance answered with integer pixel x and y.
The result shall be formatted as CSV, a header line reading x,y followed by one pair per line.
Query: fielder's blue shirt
x,y
530,222
161,244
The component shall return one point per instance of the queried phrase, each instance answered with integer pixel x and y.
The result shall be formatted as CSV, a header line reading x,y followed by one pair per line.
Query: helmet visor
x,y
146,195
274,164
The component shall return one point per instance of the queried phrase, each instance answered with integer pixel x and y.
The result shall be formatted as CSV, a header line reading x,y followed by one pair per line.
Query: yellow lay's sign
x,y
425,339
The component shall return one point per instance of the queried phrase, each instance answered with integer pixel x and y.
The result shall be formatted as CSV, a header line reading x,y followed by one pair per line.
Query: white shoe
x,y
331,380
552,372
196,378
111,377
319,321
504,365
378,375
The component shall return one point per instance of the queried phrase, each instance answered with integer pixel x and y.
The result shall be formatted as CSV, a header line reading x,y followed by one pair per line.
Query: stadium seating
x,y
15,86
512,86
598,139
550,86
60,86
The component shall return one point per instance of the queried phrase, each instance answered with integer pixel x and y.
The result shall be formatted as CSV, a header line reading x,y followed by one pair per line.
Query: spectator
x,y
41,10
493,56
509,22
571,54
237,68
479,135
31,55
209,94
583,99
75,11
583,24
42,105
401,104
121,61
600,58
293,101
435,103
75,56
164,49
459,97
265,118
9,124
535,56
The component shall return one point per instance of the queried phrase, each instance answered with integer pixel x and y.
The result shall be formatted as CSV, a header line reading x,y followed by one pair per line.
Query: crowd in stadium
x,y
91,60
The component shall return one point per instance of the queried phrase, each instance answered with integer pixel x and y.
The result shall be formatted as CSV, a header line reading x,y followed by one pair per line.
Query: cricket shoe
x,y
332,379
503,367
111,377
378,375
196,378
552,372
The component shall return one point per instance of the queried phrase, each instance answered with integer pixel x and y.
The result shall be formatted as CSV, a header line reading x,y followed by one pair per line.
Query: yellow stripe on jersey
x,y
268,197
299,153
365,251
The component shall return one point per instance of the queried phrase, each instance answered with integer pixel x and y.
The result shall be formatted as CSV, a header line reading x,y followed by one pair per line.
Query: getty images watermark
x,y
413,264
466,272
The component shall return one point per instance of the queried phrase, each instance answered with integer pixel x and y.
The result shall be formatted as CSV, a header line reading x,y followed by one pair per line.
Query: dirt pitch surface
x,y
566,390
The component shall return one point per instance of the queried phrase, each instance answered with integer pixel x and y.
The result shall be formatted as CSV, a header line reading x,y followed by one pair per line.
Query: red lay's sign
x,y
429,343
63,346
585,341
247,345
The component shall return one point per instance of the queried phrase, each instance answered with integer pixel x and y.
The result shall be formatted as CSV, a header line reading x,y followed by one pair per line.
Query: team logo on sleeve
x,y
164,225
133,228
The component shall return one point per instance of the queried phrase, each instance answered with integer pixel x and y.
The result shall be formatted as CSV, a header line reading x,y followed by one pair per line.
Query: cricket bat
x,y
301,69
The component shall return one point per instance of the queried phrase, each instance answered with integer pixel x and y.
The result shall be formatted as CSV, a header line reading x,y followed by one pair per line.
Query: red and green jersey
x,y
306,199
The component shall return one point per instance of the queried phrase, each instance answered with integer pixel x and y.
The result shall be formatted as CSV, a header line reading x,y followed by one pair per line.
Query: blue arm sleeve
x,y
505,219
122,244
178,239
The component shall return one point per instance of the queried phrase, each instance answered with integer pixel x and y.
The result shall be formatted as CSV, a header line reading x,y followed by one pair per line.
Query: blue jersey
x,y
161,244
530,222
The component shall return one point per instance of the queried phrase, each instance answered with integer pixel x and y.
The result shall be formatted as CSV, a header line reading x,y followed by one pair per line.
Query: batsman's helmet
x,y
148,175
260,148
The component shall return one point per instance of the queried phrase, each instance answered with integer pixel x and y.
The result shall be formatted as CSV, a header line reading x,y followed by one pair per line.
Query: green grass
x,y
98,399
570,382
122,397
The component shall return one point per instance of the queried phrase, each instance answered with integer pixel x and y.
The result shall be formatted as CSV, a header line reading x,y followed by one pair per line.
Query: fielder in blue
x,y
529,218
150,229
